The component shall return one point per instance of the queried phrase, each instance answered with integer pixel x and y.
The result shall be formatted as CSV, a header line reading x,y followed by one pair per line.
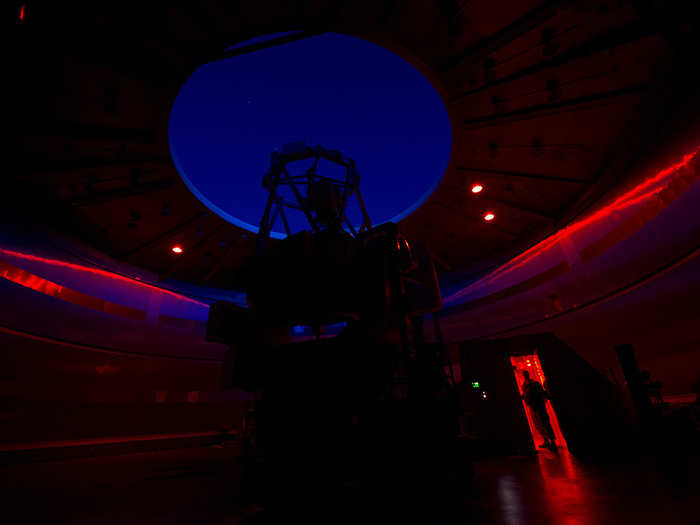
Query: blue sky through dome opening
x,y
332,90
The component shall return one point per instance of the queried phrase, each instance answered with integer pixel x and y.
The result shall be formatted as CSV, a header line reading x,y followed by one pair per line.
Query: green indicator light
x,y
475,384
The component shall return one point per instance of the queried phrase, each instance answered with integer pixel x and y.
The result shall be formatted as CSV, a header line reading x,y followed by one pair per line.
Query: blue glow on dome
x,y
262,38
332,90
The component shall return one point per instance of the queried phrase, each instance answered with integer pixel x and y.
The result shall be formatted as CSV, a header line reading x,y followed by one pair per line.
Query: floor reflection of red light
x,y
531,364
565,489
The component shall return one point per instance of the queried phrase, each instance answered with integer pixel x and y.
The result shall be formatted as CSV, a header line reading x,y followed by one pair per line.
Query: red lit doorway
x,y
531,364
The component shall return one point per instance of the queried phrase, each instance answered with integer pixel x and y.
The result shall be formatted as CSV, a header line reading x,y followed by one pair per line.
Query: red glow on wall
x,y
29,280
20,14
100,272
489,216
531,364
41,285
477,188
177,249
642,192
645,191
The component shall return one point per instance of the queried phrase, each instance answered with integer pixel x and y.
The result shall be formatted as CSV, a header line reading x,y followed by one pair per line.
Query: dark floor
x,y
199,485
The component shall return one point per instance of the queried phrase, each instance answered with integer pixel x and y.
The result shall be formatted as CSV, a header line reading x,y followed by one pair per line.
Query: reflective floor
x,y
558,490
201,485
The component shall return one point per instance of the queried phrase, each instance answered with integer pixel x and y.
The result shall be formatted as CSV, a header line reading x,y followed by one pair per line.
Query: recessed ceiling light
x,y
177,249
489,216
477,188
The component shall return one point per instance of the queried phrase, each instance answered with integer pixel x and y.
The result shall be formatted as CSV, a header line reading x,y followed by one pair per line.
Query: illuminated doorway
x,y
531,363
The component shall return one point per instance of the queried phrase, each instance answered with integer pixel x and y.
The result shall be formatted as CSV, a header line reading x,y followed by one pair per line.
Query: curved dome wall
x,y
95,357
627,272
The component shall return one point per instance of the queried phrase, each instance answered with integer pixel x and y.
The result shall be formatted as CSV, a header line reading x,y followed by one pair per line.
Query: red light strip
x,y
21,12
97,271
41,285
634,196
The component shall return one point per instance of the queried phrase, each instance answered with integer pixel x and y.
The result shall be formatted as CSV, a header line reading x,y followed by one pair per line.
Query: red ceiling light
x,y
477,188
177,249
489,216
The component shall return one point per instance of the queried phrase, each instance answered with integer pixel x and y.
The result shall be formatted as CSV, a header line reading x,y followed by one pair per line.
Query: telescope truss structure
x,y
303,185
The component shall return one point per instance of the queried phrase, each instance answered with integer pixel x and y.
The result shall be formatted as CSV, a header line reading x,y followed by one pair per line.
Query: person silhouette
x,y
653,389
536,397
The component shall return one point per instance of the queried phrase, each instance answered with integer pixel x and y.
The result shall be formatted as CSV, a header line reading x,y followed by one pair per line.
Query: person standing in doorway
x,y
536,397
